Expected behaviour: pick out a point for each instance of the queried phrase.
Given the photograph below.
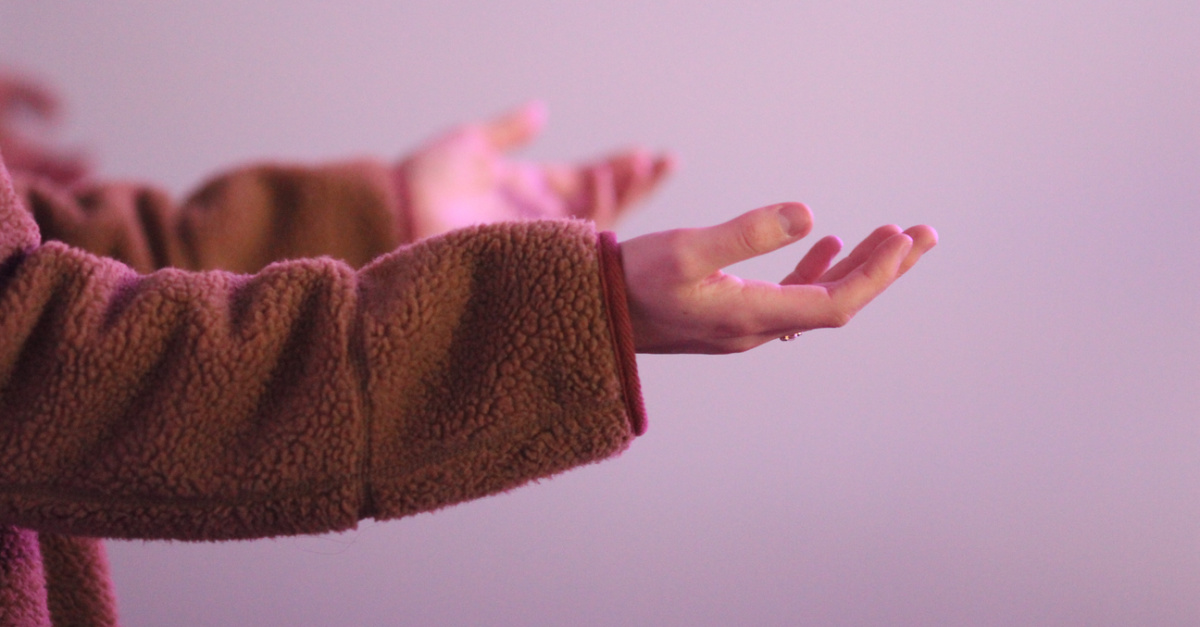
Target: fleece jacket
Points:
(271, 356)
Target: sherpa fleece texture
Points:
(142, 400)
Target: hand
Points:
(21, 97)
(465, 177)
(681, 302)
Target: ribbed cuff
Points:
(612, 275)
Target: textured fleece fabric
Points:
(161, 377)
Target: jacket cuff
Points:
(612, 276)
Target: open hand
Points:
(681, 302)
(24, 98)
(466, 177)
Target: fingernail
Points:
(794, 218)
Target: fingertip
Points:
(896, 248)
(536, 112)
(796, 218)
(518, 126)
(815, 262)
(666, 164)
(832, 243)
(924, 236)
(756, 232)
(932, 236)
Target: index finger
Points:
(517, 127)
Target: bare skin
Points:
(679, 299)
(466, 177)
(681, 302)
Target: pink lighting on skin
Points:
(1006, 437)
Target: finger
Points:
(781, 309)
(605, 190)
(864, 283)
(582, 192)
(524, 188)
(517, 127)
(602, 201)
(777, 310)
(815, 262)
(637, 173)
(17, 92)
(924, 238)
(751, 234)
(860, 254)
(632, 170)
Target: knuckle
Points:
(687, 260)
(837, 315)
(736, 329)
(758, 236)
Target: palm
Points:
(466, 177)
(681, 301)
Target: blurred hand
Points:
(466, 177)
(681, 302)
(24, 98)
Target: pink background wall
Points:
(1009, 437)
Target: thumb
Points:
(17, 92)
(749, 235)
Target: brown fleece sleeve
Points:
(239, 221)
(22, 579)
(210, 405)
(78, 588)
